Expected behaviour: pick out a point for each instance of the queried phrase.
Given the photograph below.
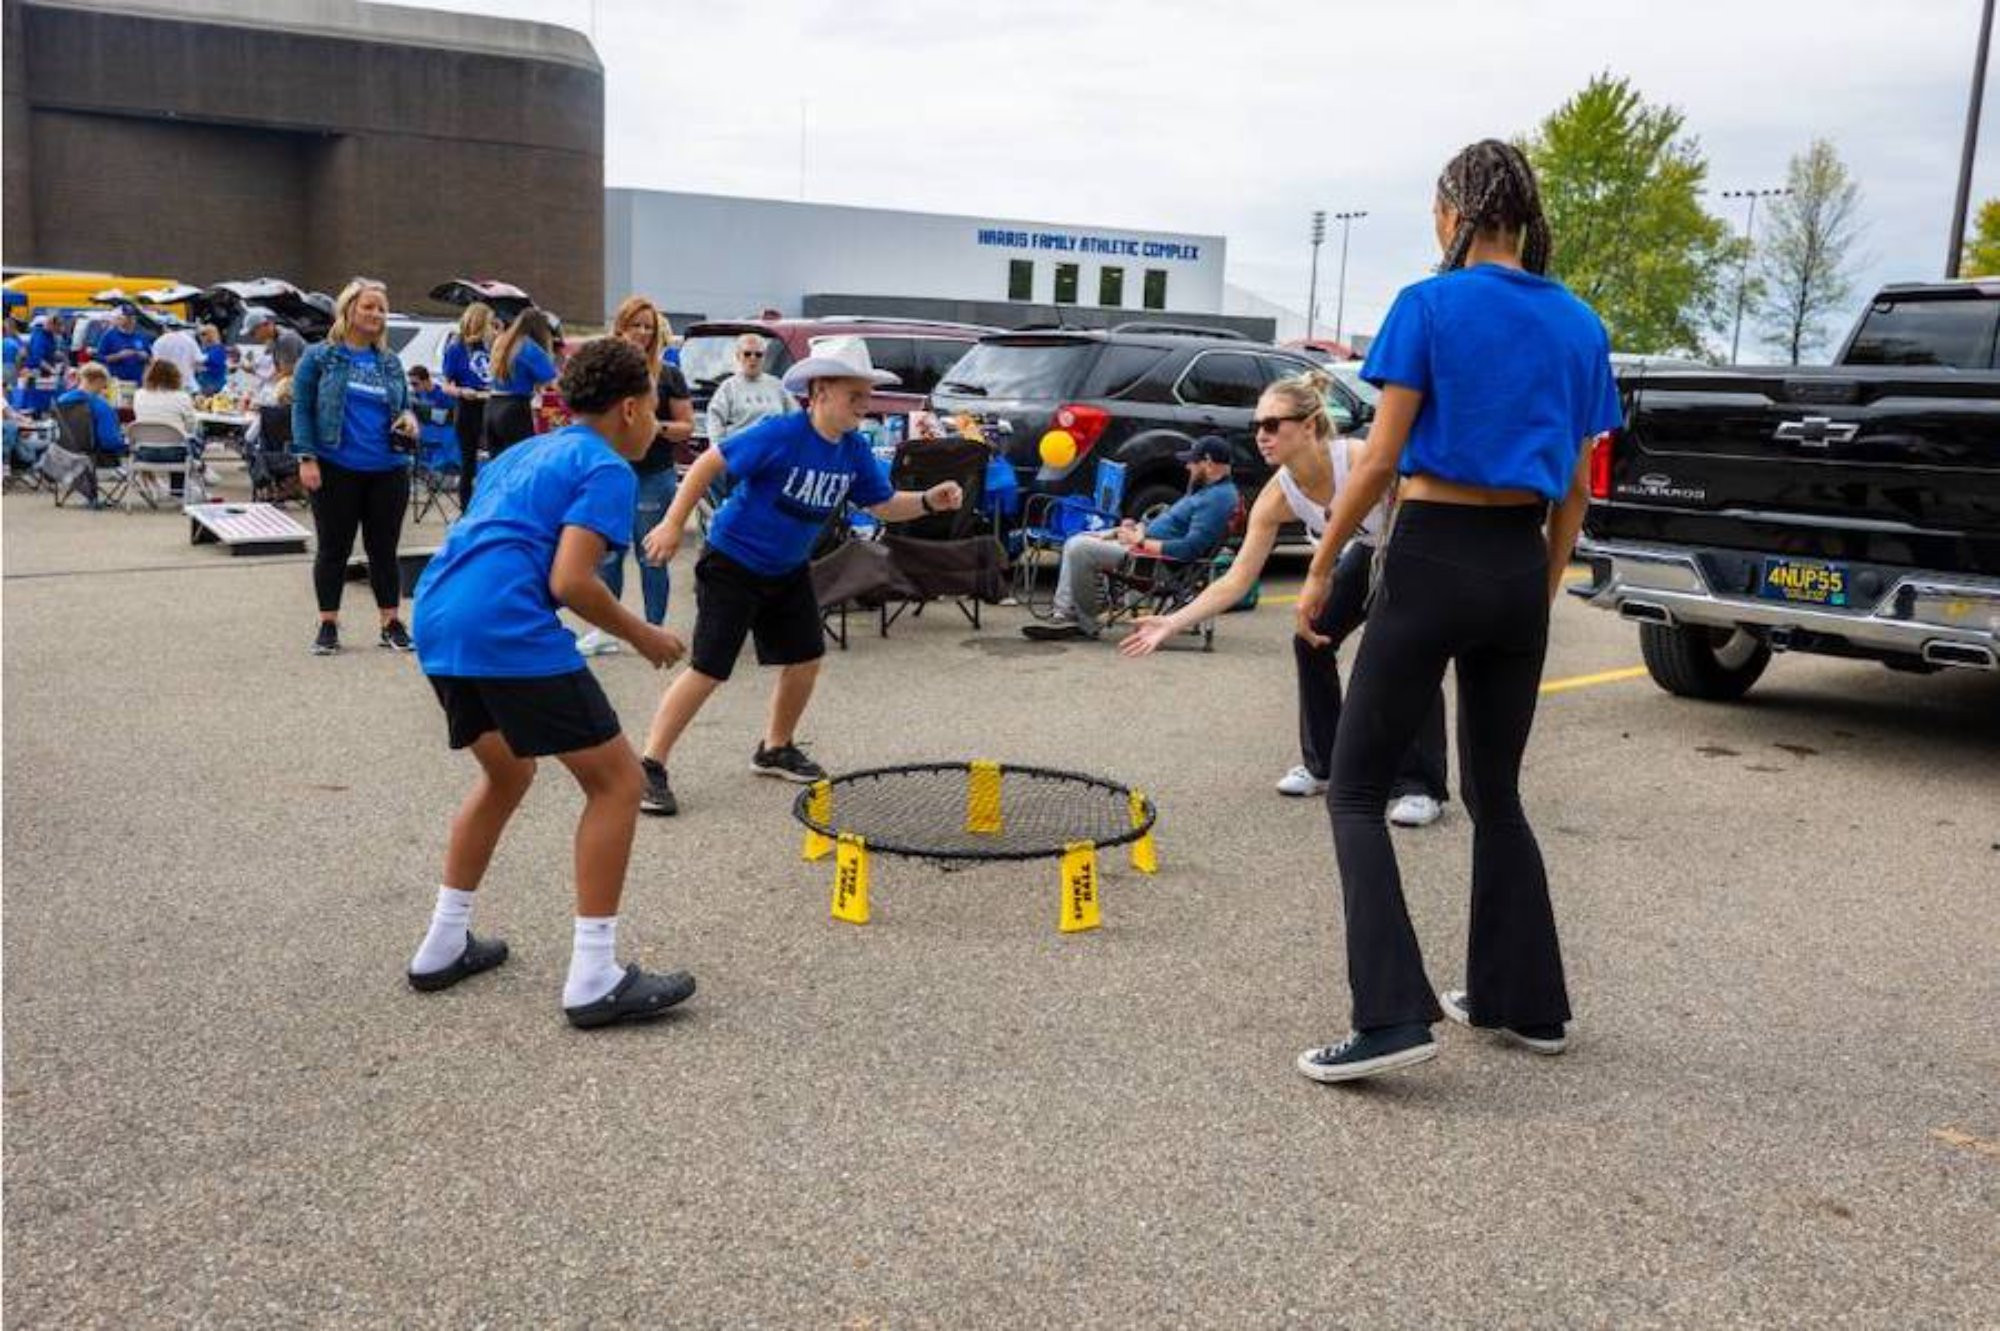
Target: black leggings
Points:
(1468, 587)
(1422, 771)
(373, 502)
(470, 422)
(510, 418)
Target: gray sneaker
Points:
(658, 797)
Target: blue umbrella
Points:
(15, 297)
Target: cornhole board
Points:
(410, 566)
(246, 529)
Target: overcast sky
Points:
(1238, 117)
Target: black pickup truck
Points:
(1846, 510)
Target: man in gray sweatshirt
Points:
(747, 396)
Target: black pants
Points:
(510, 418)
(1467, 587)
(372, 502)
(1422, 771)
(470, 423)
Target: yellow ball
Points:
(1058, 448)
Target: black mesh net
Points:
(929, 810)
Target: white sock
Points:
(445, 943)
(593, 961)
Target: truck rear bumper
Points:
(1943, 619)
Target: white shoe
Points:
(597, 643)
(1300, 782)
(1415, 811)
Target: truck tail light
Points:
(1600, 465)
(1084, 424)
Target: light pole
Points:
(1340, 303)
(1964, 200)
(1312, 284)
(1749, 242)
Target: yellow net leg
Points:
(1079, 880)
(819, 808)
(982, 799)
(1145, 855)
(850, 880)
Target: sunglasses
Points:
(1270, 424)
(751, 355)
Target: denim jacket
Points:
(319, 395)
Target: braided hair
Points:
(1492, 188)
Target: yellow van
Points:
(78, 291)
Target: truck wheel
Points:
(1151, 501)
(1716, 665)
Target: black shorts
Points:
(781, 614)
(539, 716)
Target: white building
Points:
(725, 257)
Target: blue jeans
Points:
(656, 492)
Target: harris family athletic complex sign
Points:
(1080, 243)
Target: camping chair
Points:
(153, 481)
(1047, 523)
(951, 555)
(1149, 585)
(274, 472)
(434, 475)
(74, 465)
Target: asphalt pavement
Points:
(224, 1107)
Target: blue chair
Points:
(1048, 521)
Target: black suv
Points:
(1137, 394)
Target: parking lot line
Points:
(1585, 681)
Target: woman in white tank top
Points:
(1295, 434)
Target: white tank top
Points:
(1313, 516)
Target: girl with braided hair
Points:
(1493, 377)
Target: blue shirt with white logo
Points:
(1515, 373)
(365, 419)
(483, 606)
(467, 367)
(790, 480)
(129, 368)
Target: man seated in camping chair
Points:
(1191, 530)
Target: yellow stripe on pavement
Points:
(1586, 681)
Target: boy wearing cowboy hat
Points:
(790, 476)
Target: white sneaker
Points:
(1300, 782)
(597, 643)
(1415, 811)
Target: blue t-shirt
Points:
(103, 416)
(467, 367)
(530, 368)
(365, 418)
(789, 481)
(483, 606)
(1515, 373)
(131, 368)
(214, 372)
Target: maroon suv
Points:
(916, 351)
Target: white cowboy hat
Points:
(836, 358)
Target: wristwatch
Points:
(924, 498)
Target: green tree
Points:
(1802, 261)
(1622, 190)
(1982, 248)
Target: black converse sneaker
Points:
(1365, 1053)
(1550, 1039)
(397, 638)
(327, 642)
(658, 797)
(787, 763)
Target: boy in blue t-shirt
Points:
(790, 476)
(514, 688)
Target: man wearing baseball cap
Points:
(791, 475)
(287, 348)
(1191, 529)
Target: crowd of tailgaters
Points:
(1446, 530)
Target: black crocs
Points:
(481, 954)
(640, 996)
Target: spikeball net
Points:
(954, 814)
